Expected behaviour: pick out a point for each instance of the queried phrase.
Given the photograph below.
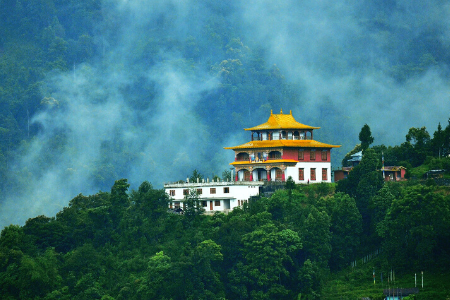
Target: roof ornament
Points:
(271, 112)
(281, 112)
(290, 112)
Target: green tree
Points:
(415, 228)
(119, 199)
(365, 136)
(193, 207)
(196, 176)
(310, 278)
(156, 284)
(316, 236)
(268, 256)
(346, 228)
(38, 275)
(362, 183)
(226, 175)
(380, 203)
(419, 139)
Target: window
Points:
(278, 174)
(313, 154)
(172, 192)
(226, 190)
(176, 204)
(199, 191)
(324, 154)
(242, 156)
(275, 155)
(212, 190)
(186, 192)
(204, 203)
(217, 203)
(301, 154)
(301, 174)
(324, 174)
(313, 174)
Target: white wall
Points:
(293, 171)
(237, 192)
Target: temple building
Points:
(280, 148)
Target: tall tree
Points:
(346, 228)
(365, 136)
(268, 254)
(419, 139)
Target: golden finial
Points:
(271, 112)
(281, 112)
(290, 112)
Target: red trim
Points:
(290, 154)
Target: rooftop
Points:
(281, 121)
(283, 143)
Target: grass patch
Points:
(357, 283)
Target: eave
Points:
(283, 143)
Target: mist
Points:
(173, 82)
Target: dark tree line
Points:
(127, 244)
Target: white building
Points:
(214, 196)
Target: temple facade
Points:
(280, 148)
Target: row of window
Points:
(301, 174)
(312, 154)
(216, 203)
(226, 190)
(176, 204)
(282, 135)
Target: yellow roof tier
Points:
(281, 121)
(270, 161)
(283, 143)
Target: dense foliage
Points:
(128, 245)
(125, 244)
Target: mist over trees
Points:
(95, 91)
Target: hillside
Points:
(92, 91)
(301, 241)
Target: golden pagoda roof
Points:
(281, 121)
(283, 143)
